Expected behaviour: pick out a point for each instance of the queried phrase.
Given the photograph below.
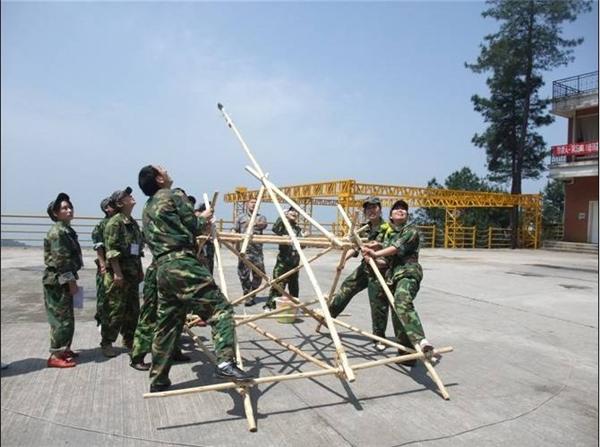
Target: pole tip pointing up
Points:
(220, 106)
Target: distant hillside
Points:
(11, 243)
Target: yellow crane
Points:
(350, 194)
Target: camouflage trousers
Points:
(184, 283)
(100, 296)
(144, 331)
(121, 309)
(359, 280)
(407, 324)
(291, 281)
(249, 279)
(59, 309)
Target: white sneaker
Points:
(425, 346)
(379, 346)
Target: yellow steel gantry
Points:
(350, 194)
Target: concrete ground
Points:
(524, 372)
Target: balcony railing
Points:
(568, 153)
(576, 85)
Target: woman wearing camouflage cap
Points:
(62, 257)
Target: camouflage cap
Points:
(106, 202)
(54, 206)
(371, 200)
(119, 194)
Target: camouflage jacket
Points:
(62, 255)
(98, 234)
(123, 241)
(405, 263)
(241, 225)
(169, 223)
(287, 253)
(376, 233)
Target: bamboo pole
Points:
(271, 313)
(270, 281)
(291, 347)
(270, 186)
(250, 230)
(321, 299)
(313, 242)
(281, 378)
(434, 376)
(242, 391)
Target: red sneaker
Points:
(55, 362)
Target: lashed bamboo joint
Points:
(315, 309)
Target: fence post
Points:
(433, 237)
(489, 237)
(474, 234)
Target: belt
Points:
(174, 254)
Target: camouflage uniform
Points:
(287, 259)
(62, 257)
(144, 331)
(123, 242)
(404, 278)
(254, 253)
(364, 278)
(98, 240)
(170, 229)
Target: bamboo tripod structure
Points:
(316, 309)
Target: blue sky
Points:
(376, 92)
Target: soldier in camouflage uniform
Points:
(108, 209)
(251, 280)
(363, 277)
(401, 248)
(206, 255)
(123, 243)
(170, 229)
(144, 331)
(287, 259)
(62, 257)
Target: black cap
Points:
(54, 206)
(399, 204)
(371, 200)
(120, 193)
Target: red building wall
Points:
(577, 198)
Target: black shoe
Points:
(231, 371)
(249, 303)
(178, 356)
(268, 307)
(140, 366)
(159, 387)
(409, 363)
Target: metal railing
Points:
(26, 229)
(575, 85)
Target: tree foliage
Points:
(464, 180)
(528, 43)
(553, 202)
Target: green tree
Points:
(528, 43)
(553, 202)
(464, 180)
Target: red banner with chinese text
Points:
(575, 149)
